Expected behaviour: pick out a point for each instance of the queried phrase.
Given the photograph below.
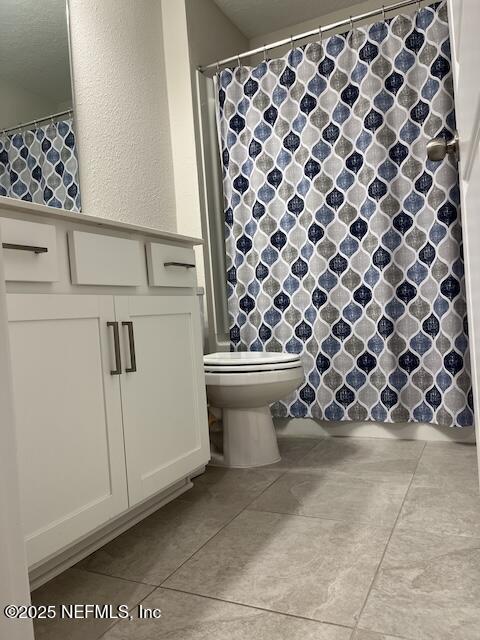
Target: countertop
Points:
(12, 206)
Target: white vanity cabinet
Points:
(68, 417)
(108, 380)
(164, 410)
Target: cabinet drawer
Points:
(104, 260)
(170, 266)
(30, 251)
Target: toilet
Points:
(243, 385)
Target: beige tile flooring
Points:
(345, 539)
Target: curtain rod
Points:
(308, 34)
(37, 121)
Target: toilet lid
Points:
(274, 366)
(239, 359)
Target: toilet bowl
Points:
(243, 385)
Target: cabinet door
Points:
(69, 422)
(164, 402)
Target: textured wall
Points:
(126, 170)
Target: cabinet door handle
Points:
(24, 247)
(187, 265)
(131, 341)
(116, 341)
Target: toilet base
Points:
(249, 438)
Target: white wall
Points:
(19, 105)
(197, 32)
(323, 19)
(211, 35)
(122, 115)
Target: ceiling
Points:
(255, 17)
(34, 47)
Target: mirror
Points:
(38, 160)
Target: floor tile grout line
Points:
(115, 577)
(217, 532)
(156, 586)
(162, 584)
(135, 606)
(388, 541)
(390, 635)
(282, 473)
(339, 520)
(251, 606)
(245, 508)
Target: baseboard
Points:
(308, 427)
(53, 566)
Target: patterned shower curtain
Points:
(40, 165)
(343, 241)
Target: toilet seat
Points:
(246, 368)
(240, 359)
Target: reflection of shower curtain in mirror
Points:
(343, 241)
(40, 165)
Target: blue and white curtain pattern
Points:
(40, 165)
(343, 241)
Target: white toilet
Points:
(243, 384)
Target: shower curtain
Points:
(40, 165)
(343, 241)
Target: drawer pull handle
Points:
(131, 341)
(24, 247)
(187, 265)
(116, 342)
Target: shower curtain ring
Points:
(418, 6)
(265, 53)
(218, 67)
(383, 13)
(291, 42)
(351, 24)
(320, 34)
(238, 60)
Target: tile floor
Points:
(345, 539)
